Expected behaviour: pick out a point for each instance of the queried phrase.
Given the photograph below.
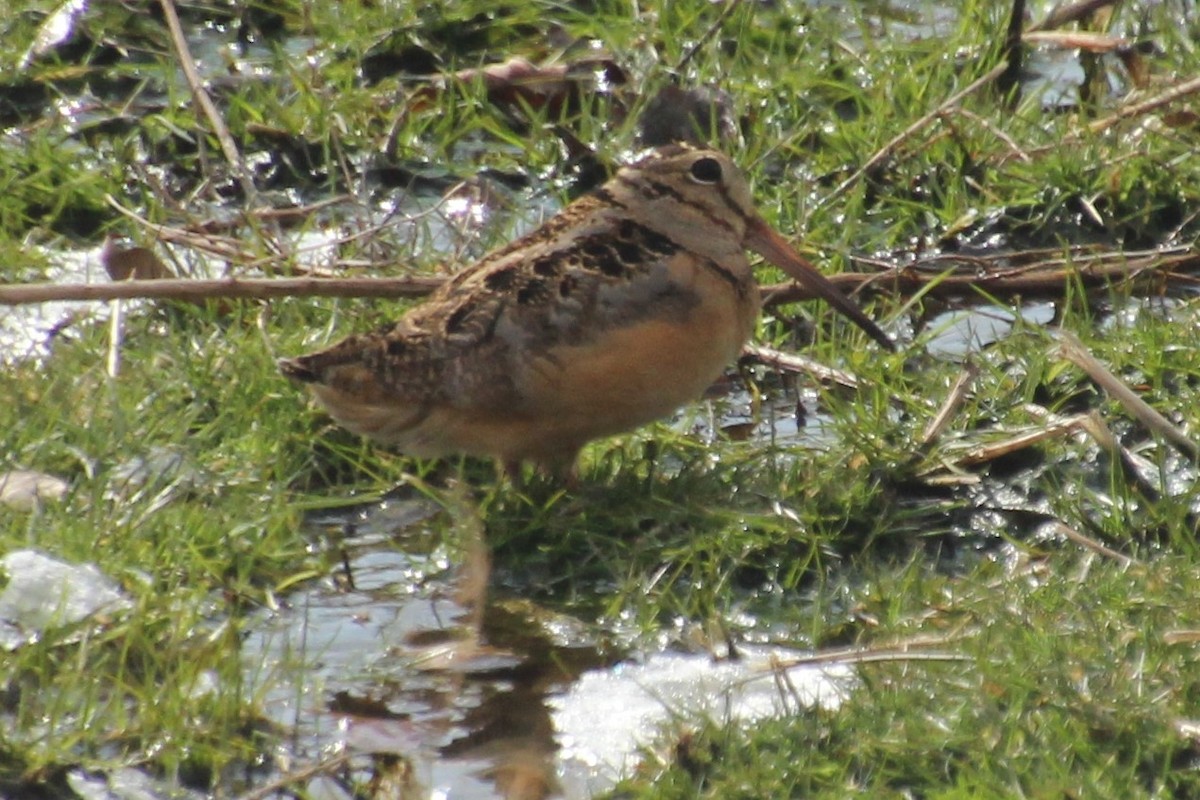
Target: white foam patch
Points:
(607, 716)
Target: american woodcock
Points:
(620, 309)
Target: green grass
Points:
(1071, 685)
(1068, 688)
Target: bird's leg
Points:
(512, 471)
(562, 467)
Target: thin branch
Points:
(1176, 92)
(1014, 52)
(794, 362)
(1074, 351)
(1150, 104)
(188, 64)
(1135, 469)
(1070, 12)
(329, 766)
(954, 400)
(1049, 278)
(917, 649)
(986, 453)
(993, 275)
(236, 288)
(730, 7)
(1095, 546)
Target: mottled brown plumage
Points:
(614, 313)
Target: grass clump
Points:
(194, 525)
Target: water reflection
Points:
(541, 708)
(957, 333)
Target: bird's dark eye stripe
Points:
(706, 170)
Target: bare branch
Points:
(228, 147)
(199, 290)
(1074, 351)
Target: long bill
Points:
(762, 239)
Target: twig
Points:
(1074, 351)
(730, 7)
(228, 146)
(886, 151)
(240, 288)
(876, 657)
(987, 125)
(225, 247)
(326, 767)
(982, 454)
(793, 362)
(1014, 52)
(1048, 278)
(1137, 109)
(912, 650)
(1133, 467)
(1070, 12)
(1167, 97)
(1091, 544)
(954, 400)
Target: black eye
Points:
(706, 170)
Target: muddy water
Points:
(385, 664)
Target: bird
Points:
(615, 312)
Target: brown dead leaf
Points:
(1183, 118)
(738, 431)
(1135, 65)
(143, 264)
(1078, 40)
(132, 263)
(519, 82)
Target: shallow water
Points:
(393, 665)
